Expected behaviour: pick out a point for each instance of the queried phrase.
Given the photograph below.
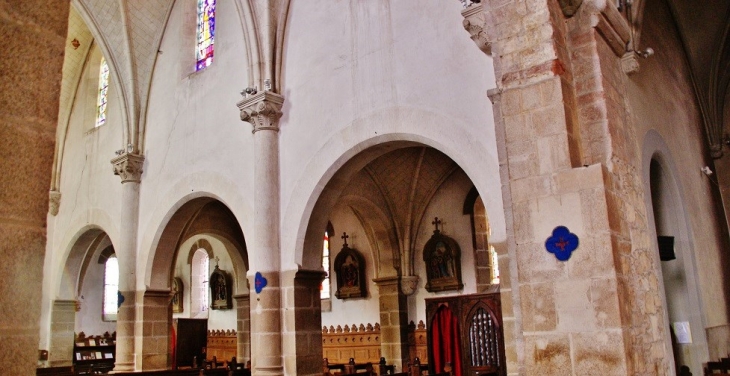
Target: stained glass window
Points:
(111, 289)
(205, 34)
(103, 91)
(324, 288)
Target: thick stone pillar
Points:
(263, 111)
(153, 336)
(63, 323)
(243, 327)
(562, 154)
(393, 321)
(302, 322)
(30, 81)
(129, 169)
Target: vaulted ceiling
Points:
(704, 27)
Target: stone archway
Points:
(202, 216)
(388, 189)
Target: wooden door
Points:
(483, 344)
(191, 341)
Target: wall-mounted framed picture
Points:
(177, 295)
(350, 270)
(443, 262)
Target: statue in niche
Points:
(443, 262)
(220, 290)
(177, 295)
(350, 269)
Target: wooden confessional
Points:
(466, 331)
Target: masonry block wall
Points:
(571, 159)
(31, 75)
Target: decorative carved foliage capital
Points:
(128, 167)
(262, 110)
(569, 7)
(54, 202)
(474, 23)
(630, 62)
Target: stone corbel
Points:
(54, 202)
(262, 110)
(569, 7)
(409, 284)
(129, 167)
(630, 62)
(474, 23)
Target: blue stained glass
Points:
(205, 34)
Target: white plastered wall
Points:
(195, 145)
(357, 74)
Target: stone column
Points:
(63, 323)
(243, 327)
(129, 169)
(29, 92)
(263, 111)
(302, 322)
(153, 336)
(393, 321)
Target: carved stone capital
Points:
(474, 23)
(54, 202)
(129, 167)
(630, 62)
(262, 110)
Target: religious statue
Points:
(220, 290)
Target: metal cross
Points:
(344, 237)
(436, 222)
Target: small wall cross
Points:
(436, 222)
(344, 237)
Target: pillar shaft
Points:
(393, 321)
(243, 327)
(263, 111)
(129, 168)
(63, 322)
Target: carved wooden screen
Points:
(480, 327)
(484, 339)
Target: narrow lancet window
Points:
(103, 91)
(205, 34)
(111, 289)
(324, 290)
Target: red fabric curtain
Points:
(445, 341)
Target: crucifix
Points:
(344, 238)
(436, 222)
(216, 261)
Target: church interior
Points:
(432, 187)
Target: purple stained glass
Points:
(205, 34)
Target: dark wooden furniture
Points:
(93, 355)
(55, 371)
(480, 332)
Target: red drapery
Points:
(445, 341)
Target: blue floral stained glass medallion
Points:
(205, 34)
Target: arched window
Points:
(205, 34)
(103, 90)
(111, 289)
(324, 288)
(199, 283)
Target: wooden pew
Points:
(55, 371)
